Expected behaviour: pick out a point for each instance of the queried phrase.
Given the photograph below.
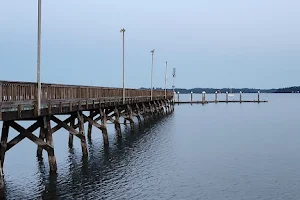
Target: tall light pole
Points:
(123, 31)
(152, 74)
(166, 80)
(174, 75)
(39, 58)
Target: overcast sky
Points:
(216, 43)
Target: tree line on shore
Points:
(294, 89)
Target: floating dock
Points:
(206, 102)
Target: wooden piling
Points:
(258, 94)
(4, 136)
(49, 141)
(144, 111)
(166, 102)
(156, 107)
(103, 126)
(138, 114)
(191, 96)
(42, 136)
(166, 106)
(130, 117)
(178, 96)
(151, 108)
(117, 122)
(162, 107)
(90, 126)
(71, 136)
(81, 132)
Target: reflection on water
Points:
(215, 151)
(88, 177)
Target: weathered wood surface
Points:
(18, 99)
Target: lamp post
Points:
(39, 86)
(166, 80)
(123, 31)
(152, 74)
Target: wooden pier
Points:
(18, 102)
(204, 101)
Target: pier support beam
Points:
(48, 145)
(4, 136)
(157, 110)
(81, 131)
(42, 136)
(145, 112)
(46, 134)
(138, 114)
(151, 107)
(130, 116)
(103, 126)
(117, 123)
(163, 107)
(90, 126)
(166, 106)
(71, 136)
(170, 106)
(49, 141)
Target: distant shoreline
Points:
(294, 89)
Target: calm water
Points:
(216, 151)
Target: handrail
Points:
(12, 91)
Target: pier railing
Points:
(22, 91)
(23, 95)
